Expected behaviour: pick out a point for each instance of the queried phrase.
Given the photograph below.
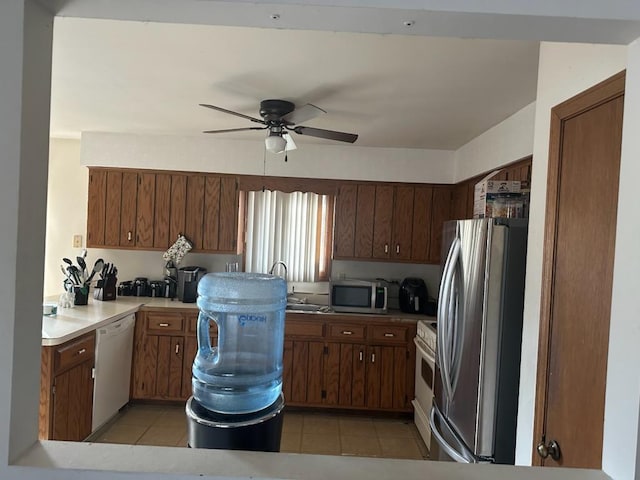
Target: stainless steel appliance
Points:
(479, 335)
(425, 341)
(357, 296)
(188, 278)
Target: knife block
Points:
(106, 288)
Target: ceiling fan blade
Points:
(302, 114)
(328, 134)
(291, 145)
(224, 110)
(229, 130)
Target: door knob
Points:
(551, 450)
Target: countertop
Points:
(70, 323)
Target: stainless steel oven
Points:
(425, 341)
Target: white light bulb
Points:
(275, 143)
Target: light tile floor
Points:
(302, 432)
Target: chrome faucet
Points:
(275, 264)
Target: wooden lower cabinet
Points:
(339, 361)
(66, 390)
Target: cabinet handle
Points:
(373, 358)
(386, 248)
(163, 324)
(361, 355)
(129, 236)
(81, 351)
(398, 249)
(177, 348)
(389, 335)
(347, 332)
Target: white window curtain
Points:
(285, 227)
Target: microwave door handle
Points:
(459, 457)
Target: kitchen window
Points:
(294, 228)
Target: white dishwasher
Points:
(114, 349)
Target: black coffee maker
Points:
(188, 278)
(413, 295)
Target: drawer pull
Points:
(361, 355)
(177, 348)
(398, 249)
(389, 335)
(347, 332)
(373, 358)
(129, 236)
(81, 351)
(163, 324)
(386, 248)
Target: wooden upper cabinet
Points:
(345, 221)
(441, 212)
(382, 223)
(364, 221)
(148, 210)
(421, 232)
(403, 205)
(96, 208)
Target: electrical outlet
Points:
(77, 241)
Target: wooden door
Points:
(373, 375)
(441, 208)
(128, 209)
(211, 213)
(190, 351)
(73, 403)
(421, 232)
(96, 207)
(113, 209)
(228, 221)
(382, 226)
(364, 221)
(169, 367)
(162, 209)
(402, 223)
(145, 203)
(287, 369)
(459, 203)
(586, 133)
(345, 223)
(194, 218)
(178, 209)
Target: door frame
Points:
(597, 95)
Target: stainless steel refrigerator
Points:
(480, 305)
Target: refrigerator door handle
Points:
(457, 455)
(450, 324)
(444, 320)
(457, 306)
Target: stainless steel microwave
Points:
(357, 296)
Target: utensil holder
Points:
(81, 295)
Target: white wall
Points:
(506, 142)
(208, 154)
(564, 70)
(621, 421)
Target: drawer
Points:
(74, 352)
(160, 323)
(343, 331)
(293, 328)
(192, 325)
(388, 333)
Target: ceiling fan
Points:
(280, 117)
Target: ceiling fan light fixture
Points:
(274, 143)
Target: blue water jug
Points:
(243, 373)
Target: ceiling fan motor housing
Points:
(273, 110)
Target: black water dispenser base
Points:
(258, 431)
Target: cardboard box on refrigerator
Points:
(487, 190)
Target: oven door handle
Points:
(424, 350)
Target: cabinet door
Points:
(402, 223)
(96, 208)
(228, 229)
(211, 213)
(195, 210)
(162, 210)
(145, 209)
(169, 367)
(373, 375)
(365, 210)
(73, 403)
(344, 374)
(382, 226)
(114, 209)
(287, 369)
(421, 234)
(345, 222)
(459, 209)
(307, 378)
(178, 210)
(128, 209)
(440, 213)
(190, 351)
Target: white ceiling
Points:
(393, 90)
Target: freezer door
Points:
(460, 395)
